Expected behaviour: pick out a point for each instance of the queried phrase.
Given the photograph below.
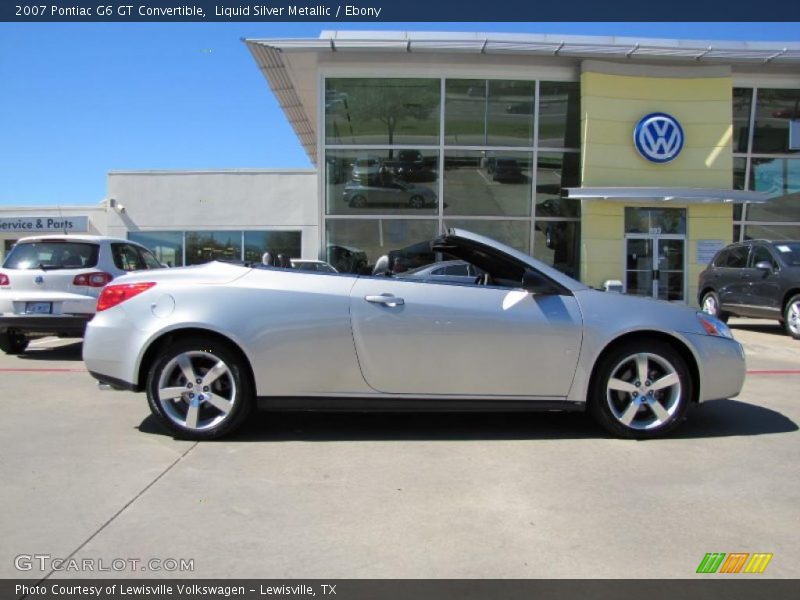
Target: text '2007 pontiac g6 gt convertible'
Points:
(209, 343)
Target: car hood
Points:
(627, 312)
(212, 273)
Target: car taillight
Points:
(4, 279)
(98, 279)
(117, 294)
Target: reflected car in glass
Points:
(366, 169)
(756, 278)
(207, 344)
(455, 271)
(395, 193)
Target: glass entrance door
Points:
(654, 266)
(655, 252)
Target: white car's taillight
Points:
(97, 279)
(4, 281)
(117, 294)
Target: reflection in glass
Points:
(742, 97)
(737, 229)
(381, 181)
(167, 246)
(739, 170)
(557, 170)
(256, 243)
(205, 246)
(512, 233)
(559, 115)
(670, 269)
(487, 183)
(772, 232)
(655, 220)
(509, 113)
(557, 243)
(779, 178)
(639, 267)
(465, 112)
(382, 111)
(774, 109)
(354, 245)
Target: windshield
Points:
(790, 252)
(52, 254)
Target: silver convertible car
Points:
(209, 343)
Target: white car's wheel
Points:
(642, 390)
(791, 317)
(199, 389)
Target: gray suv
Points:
(756, 278)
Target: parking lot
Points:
(90, 475)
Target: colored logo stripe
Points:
(735, 561)
(758, 562)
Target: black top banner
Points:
(394, 11)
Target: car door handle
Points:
(386, 299)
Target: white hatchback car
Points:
(49, 284)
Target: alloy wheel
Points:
(196, 390)
(793, 318)
(644, 391)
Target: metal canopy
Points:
(665, 194)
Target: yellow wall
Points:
(612, 103)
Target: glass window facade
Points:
(382, 111)
(419, 155)
(764, 162)
(179, 248)
(167, 246)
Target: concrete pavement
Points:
(90, 475)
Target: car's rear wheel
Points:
(710, 305)
(199, 389)
(358, 202)
(791, 317)
(13, 342)
(642, 390)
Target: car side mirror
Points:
(536, 283)
(764, 265)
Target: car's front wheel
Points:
(199, 389)
(13, 342)
(641, 390)
(710, 305)
(416, 202)
(791, 317)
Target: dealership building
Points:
(608, 158)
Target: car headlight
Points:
(713, 326)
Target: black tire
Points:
(644, 423)
(358, 202)
(791, 317)
(416, 202)
(13, 342)
(233, 388)
(710, 305)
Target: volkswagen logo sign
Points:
(658, 137)
(39, 279)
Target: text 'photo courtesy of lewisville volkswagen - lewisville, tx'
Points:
(387, 309)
